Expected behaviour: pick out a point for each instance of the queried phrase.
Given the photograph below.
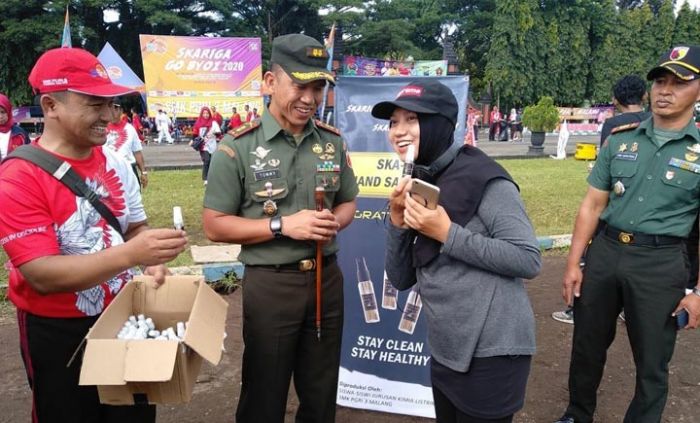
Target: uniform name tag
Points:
(261, 175)
(685, 165)
(626, 156)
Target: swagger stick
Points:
(319, 194)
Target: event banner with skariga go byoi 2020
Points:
(183, 74)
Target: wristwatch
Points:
(276, 226)
(696, 291)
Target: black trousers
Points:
(279, 332)
(446, 412)
(206, 159)
(47, 344)
(649, 283)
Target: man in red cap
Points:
(69, 260)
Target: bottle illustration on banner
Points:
(411, 312)
(389, 294)
(366, 288)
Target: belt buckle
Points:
(625, 237)
(307, 265)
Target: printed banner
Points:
(367, 66)
(385, 360)
(185, 73)
(591, 114)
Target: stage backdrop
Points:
(185, 73)
(385, 359)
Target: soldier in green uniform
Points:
(645, 189)
(261, 195)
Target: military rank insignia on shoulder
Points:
(327, 127)
(623, 128)
(244, 129)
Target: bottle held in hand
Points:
(178, 222)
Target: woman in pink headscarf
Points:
(206, 128)
(11, 136)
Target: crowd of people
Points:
(468, 255)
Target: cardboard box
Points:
(157, 372)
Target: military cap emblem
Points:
(678, 53)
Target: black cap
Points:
(682, 61)
(303, 58)
(421, 96)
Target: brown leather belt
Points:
(641, 239)
(305, 265)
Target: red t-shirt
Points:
(235, 121)
(42, 217)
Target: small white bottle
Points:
(178, 222)
(411, 312)
(389, 294)
(366, 288)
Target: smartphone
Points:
(682, 318)
(426, 193)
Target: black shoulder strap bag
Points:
(63, 171)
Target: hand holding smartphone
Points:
(682, 318)
(425, 193)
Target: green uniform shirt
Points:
(660, 180)
(236, 185)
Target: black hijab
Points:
(461, 173)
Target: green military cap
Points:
(302, 58)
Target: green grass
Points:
(552, 191)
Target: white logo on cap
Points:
(410, 91)
(55, 81)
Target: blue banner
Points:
(385, 360)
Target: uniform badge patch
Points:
(260, 152)
(670, 174)
(228, 150)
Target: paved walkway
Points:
(181, 156)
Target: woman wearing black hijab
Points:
(468, 256)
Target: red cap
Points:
(73, 69)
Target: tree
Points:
(687, 30)
(507, 53)
(473, 22)
(27, 29)
(604, 32)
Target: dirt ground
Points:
(216, 393)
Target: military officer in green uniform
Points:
(645, 188)
(261, 195)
